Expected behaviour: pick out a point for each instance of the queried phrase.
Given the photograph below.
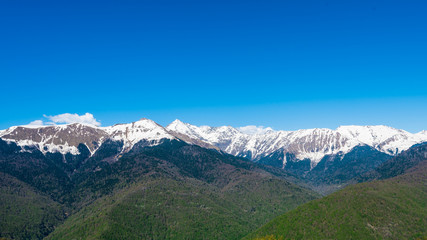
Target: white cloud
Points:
(36, 123)
(73, 118)
(252, 129)
(65, 118)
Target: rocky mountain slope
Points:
(311, 144)
(66, 138)
(318, 156)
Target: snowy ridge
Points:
(311, 144)
(132, 133)
(386, 139)
(218, 136)
(58, 138)
(66, 138)
(422, 134)
(251, 142)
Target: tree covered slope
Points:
(25, 212)
(173, 190)
(179, 191)
(394, 208)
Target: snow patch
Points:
(47, 147)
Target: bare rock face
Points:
(194, 141)
(63, 138)
(312, 144)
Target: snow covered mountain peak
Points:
(176, 121)
(179, 126)
(132, 133)
(384, 138)
(213, 135)
(376, 132)
(257, 142)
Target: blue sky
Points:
(283, 64)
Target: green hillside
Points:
(24, 212)
(164, 208)
(394, 208)
(173, 190)
(178, 191)
(397, 165)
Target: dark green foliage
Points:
(26, 213)
(34, 169)
(163, 208)
(8, 148)
(187, 191)
(337, 169)
(69, 162)
(108, 150)
(299, 167)
(274, 159)
(75, 161)
(397, 165)
(395, 208)
(293, 165)
(333, 171)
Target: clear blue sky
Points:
(284, 64)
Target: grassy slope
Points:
(26, 213)
(395, 208)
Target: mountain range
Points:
(306, 144)
(132, 181)
(143, 180)
(391, 205)
(320, 156)
(312, 144)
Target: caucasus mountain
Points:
(145, 181)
